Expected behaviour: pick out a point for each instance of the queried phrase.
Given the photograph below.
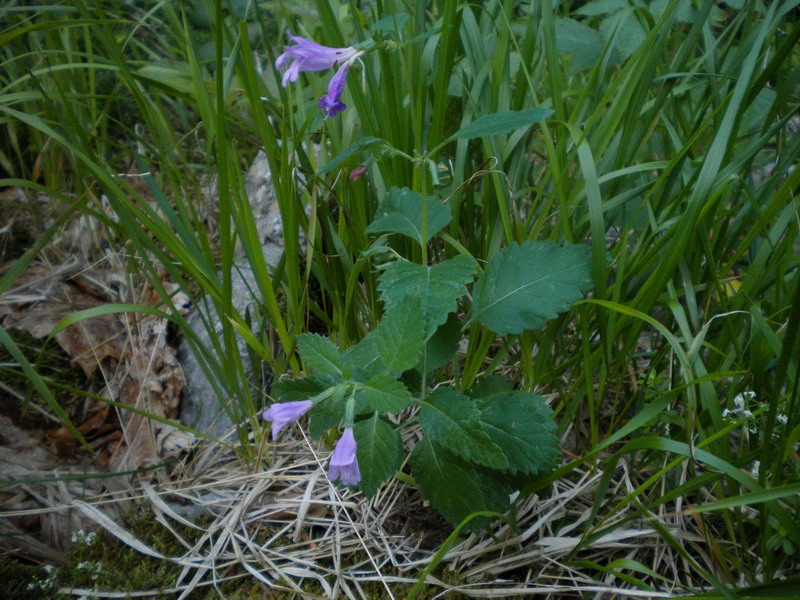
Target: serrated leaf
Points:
(603, 7)
(385, 394)
(442, 345)
(399, 338)
(521, 424)
(400, 211)
(684, 11)
(363, 144)
(583, 42)
(625, 30)
(501, 122)
(363, 359)
(302, 388)
(319, 354)
(325, 415)
(525, 284)
(438, 287)
(379, 453)
(454, 487)
(328, 412)
(393, 347)
(452, 420)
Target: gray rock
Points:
(200, 406)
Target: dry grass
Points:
(284, 522)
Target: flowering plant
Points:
(477, 442)
(478, 445)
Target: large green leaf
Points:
(393, 347)
(583, 42)
(521, 424)
(399, 336)
(319, 354)
(442, 345)
(363, 360)
(438, 287)
(525, 284)
(379, 453)
(400, 211)
(625, 31)
(385, 394)
(501, 122)
(452, 420)
(326, 414)
(602, 7)
(454, 487)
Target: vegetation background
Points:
(671, 153)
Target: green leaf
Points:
(363, 359)
(452, 420)
(442, 345)
(753, 118)
(525, 284)
(319, 354)
(625, 30)
(454, 487)
(684, 11)
(501, 122)
(521, 424)
(399, 338)
(490, 386)
(325, 415)
(603, 7)
(365, 143)
(379, 453)
(302, 388)
(438, 287)
(393, 347)
(400, 211)
(583, 42)
(385, 394)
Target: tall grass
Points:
(670, 154)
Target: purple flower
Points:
(330, 102)
(344, 465)
(311, 56)
(284, 413)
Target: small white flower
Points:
(755, 469)
(739, 399)
(783, 419)
(77, 536)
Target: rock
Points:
(200, 407)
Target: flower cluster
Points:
(344, 464)
(307, 55)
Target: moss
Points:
(24, 581)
